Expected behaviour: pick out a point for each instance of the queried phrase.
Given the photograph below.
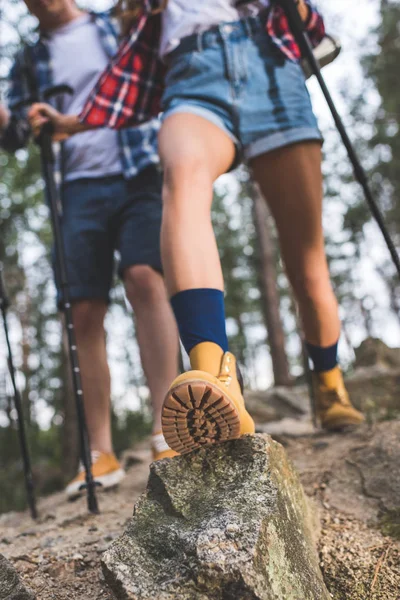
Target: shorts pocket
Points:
(180, 68)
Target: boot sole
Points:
(197, 414)
(342, 427)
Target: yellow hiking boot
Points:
(334, 409)
(206, 405)
(107, 472)
(160, 448)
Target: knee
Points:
(182, 176)
(88, 317)
(142, 284)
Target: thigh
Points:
(87, 238)
(291, 181)
(139, 222)
(193, 148)
(197, 84)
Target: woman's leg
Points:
(291, 181)
(202, 406)
(194, 153)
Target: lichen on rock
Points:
(11, 586)
(225, 523)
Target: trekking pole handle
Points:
(45, 96)
(296, 24)
(292, 12)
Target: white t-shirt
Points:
(77, 59)
(185, 17)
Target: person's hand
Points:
(4, 116)
(303, 9)
(39, 114)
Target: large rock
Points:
(373, 352)
(375, 391)
(11, 586)
(279, 403)
(225, 523)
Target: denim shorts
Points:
(234, 76)
(103, 215)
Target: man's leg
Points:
(89, 247)
(139, 225)
(88, 316)
(156, 332)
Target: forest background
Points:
(261, 314)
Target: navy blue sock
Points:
(200, 315)
(323, 359)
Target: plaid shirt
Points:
(130, 89)
(138, 145)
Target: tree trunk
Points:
(268, 285)
(70, 441)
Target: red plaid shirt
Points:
(130, 89)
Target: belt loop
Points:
(248, 27)
(199, 42)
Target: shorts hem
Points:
(84, 293)
(155, 265)
(206, 114)
(281, 139)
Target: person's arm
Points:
(14, 127)
(314, 22)
(63, 125)
(4, 117)
(304, 9)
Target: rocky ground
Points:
(59, 555)
(354, 480)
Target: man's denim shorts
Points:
(103, 215)
(235, 77)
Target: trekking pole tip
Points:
(93, 505)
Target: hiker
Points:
(111, 199)
(227, 77)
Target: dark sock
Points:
(200, 315)
(323, 359)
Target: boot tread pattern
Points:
(197, 414)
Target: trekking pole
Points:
(45, 144)
(47, 158)
(309, 380)
(298, 29)
(29, 485)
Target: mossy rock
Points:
(11, 586)
(226, 523)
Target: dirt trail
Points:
(59, 556)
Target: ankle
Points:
(157, 427)
(330, 379)
(207, 356)
(101, 449)
(324, 358)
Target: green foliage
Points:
(129, 429)
(25, 247)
